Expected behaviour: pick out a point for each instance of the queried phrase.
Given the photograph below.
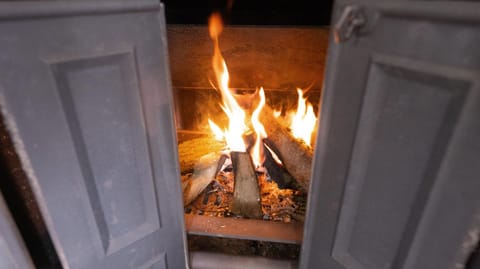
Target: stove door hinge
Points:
(351, 20)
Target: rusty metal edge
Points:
(249, 229)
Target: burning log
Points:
(246, 196)
(278, 173)
(192, 150)
(295, 155)
(204, 173)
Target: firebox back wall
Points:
(280, 59)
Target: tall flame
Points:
(236, 115)
(304, 120)
(257, 151)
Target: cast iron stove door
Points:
(397, 171)
(85, 93)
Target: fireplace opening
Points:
(247, 110)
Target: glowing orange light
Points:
(217, 131)
(236, 116)
(257, 151)
(303, 121)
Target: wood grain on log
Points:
(205, 171)
(191, 151)
(295, 155)
(246, 195)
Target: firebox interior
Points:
(279, 59)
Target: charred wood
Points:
(278, 173)
(295, 155)
(204, 173)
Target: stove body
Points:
(395, 174)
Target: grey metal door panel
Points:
(88, 101)
(13, 254)
(395, 183)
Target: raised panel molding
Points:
(83, 89)
(409, 113)
(157, 262)
(101, 99)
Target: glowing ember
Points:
(274, 155)
(303, 121)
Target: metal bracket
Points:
(351, 20)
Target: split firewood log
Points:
(191, 151)
(246, 194)
(295, 155)
(278, 173)
(204, 173)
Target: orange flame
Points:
(217, 131)
(257, 151)
(236, 116)
(233, 135)
(303, 121)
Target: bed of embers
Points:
(281, 205)
(202, 158)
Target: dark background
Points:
(250, 12)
